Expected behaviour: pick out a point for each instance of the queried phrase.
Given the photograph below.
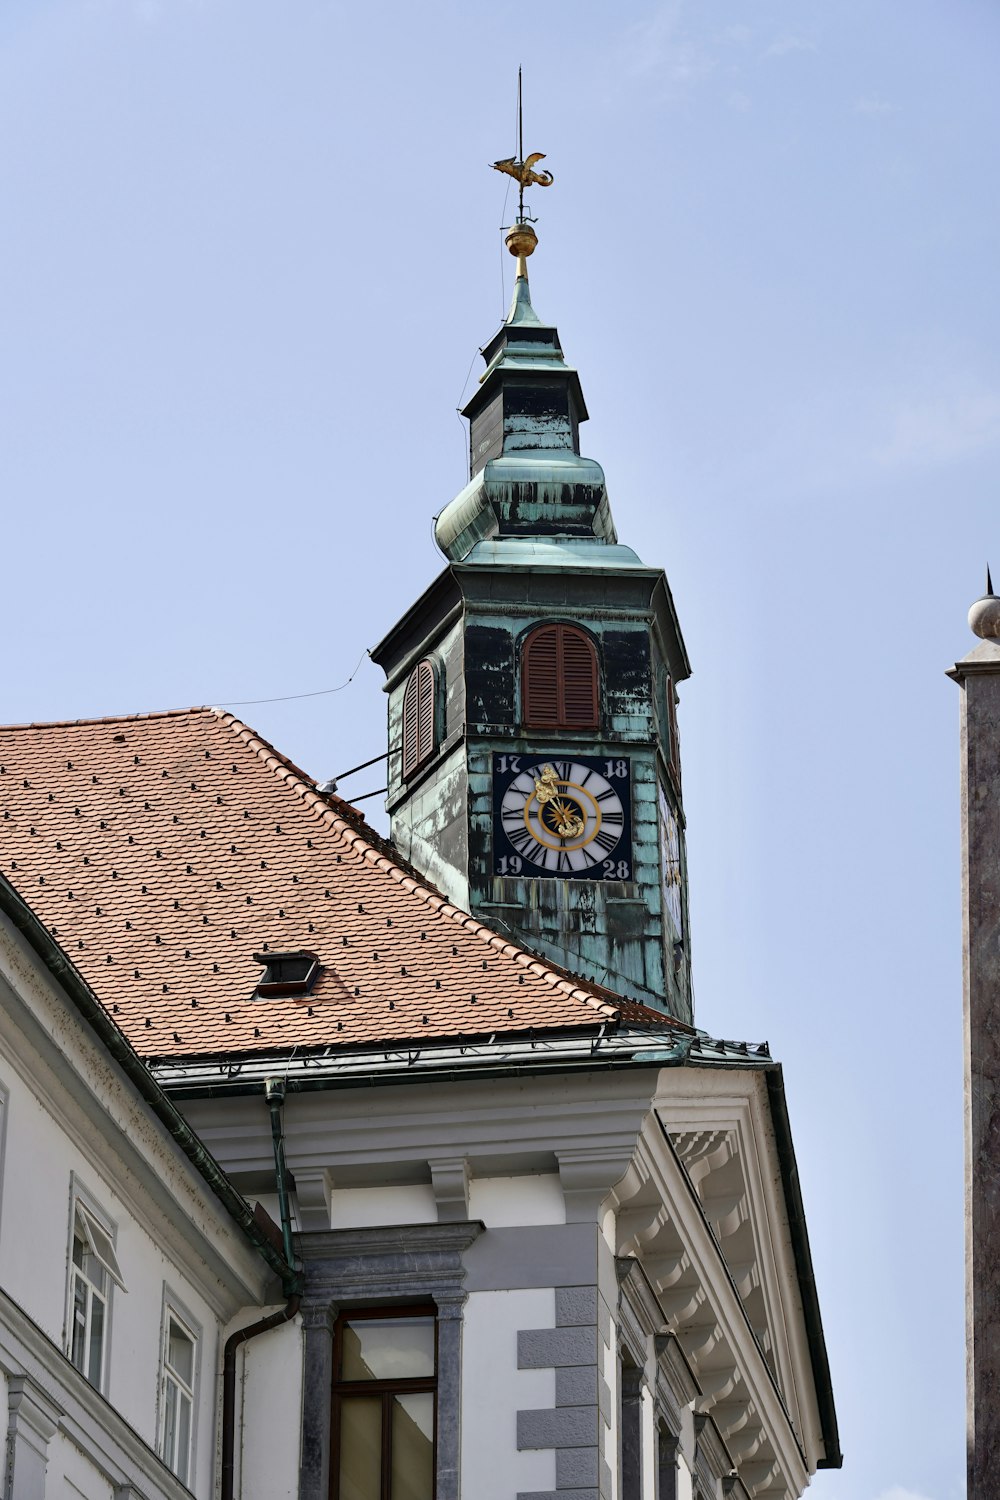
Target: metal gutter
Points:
(79, 992)
(214, 1077)
(804, 1269)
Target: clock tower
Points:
(534, 767)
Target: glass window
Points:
(94, 1267)
(176, 1396)
(385, 1387)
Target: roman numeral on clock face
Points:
(526, 845)
(605, 840)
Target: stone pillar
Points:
(978, 676)
(449, 1408)
(666, 1464)
(317, 1400)
(32, 1420)
(630, 1416)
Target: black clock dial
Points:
(567, 816)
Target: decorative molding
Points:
(676, 1387)
(359, 1266)
(313, 1189)
(712, 1459)
(725, 1137)
(450, 1182)
(664, 1227)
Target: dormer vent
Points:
(286, 973)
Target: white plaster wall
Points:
(503, 1202)
(364, 1208)
(34, 1225)
(494, 1390)
(70, 1474)
(685, 1484)
(41, 1159)
(270, 1395)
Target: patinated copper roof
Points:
(163, 850)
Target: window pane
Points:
(78, 1345)
(96, 1340)
(360, 1448)
(169, 1422)
(183, 1437)
(413, 1447)
(180, 1353)
(387, 1349)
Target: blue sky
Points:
(249, 252)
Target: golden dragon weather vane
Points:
(521, 167)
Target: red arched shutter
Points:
(559, 679)
(418, 717)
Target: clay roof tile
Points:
(166, 849)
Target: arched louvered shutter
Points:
(559, 679)
(418, 717)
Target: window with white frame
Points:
(177, 1394)
(93, 1270)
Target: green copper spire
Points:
(527, 477)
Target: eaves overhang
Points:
(527, 369)
(439, 602)
(833, 1458)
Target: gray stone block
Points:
(535, 1255)
(558, 1427)
(576, 1385)
(558, 1495)
(543, 1348)
(577, 1468)
(575, 1305)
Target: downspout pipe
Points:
(274, 1093)
(242, 1336)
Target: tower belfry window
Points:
(418, 717)
(559, 679)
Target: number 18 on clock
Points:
(568, 817)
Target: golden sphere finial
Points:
(520, 238)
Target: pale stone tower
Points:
(978, 675)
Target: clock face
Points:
(564, 816)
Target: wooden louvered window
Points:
(418, 717)
(559, 679)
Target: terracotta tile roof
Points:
(163, 850)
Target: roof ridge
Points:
(160, 713)
(286, 771)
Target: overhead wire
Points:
(290, 697)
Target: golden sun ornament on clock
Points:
(568, 816)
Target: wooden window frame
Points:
(563, 719)
(419, 718)
(386, 1389)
